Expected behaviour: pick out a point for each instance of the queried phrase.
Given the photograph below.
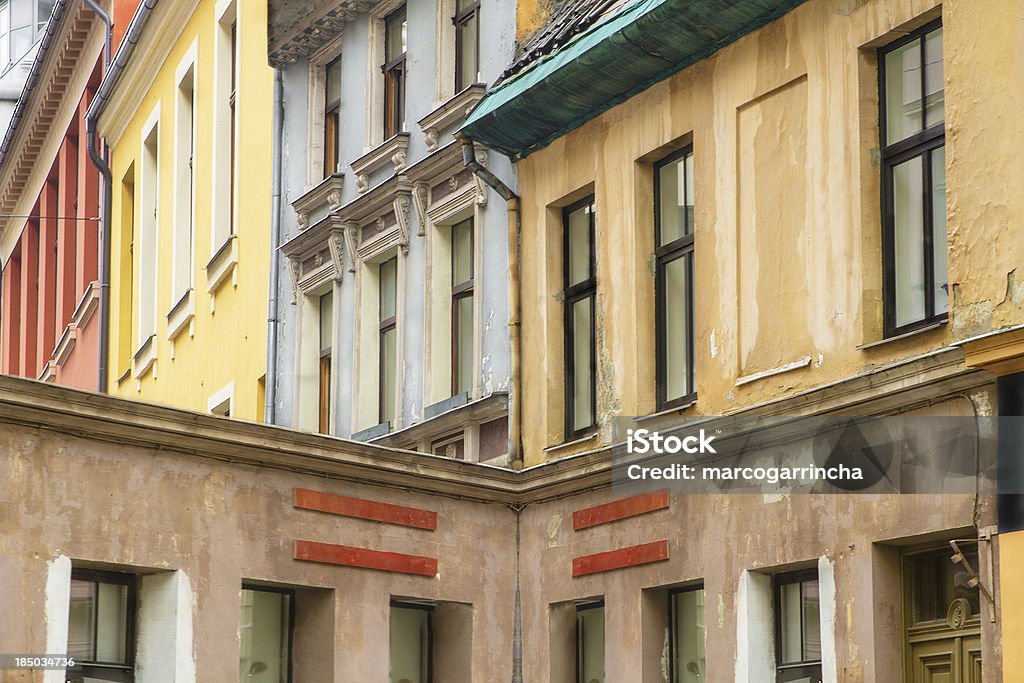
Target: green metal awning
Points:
(643, 43)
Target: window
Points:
(332, 120)
(265, 633)
(914, 180)
(148, 222)
(394, 73)
(590, 642)
(686, 615)
(580, 298)
(326, 343)
(467, 43)
(184, 181)
(462, 307)
(101, 626)
(797, 628)
(232, 96)
(388, 272)
(410, 643)
(673, 234)
(5, 34)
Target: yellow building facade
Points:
(188, 122)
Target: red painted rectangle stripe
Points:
(365, 509)
(619, 509)
(620, 559)
(349, 556)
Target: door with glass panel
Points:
(686, 630)
(942, 621)
(265, 631)
(590, 642)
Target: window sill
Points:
(571, 444)
(765, 374)
(906, 335)
(394, 149)
(180, 315)
(450, 113)
(326, 192)
(667, 411)
(144, 358)
(222, 264)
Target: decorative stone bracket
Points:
(369, 239)
(450, 113)
(393, 150)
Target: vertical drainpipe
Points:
(514, 409)
(270, 399)
(514, 228)
(104, 169)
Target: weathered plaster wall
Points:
(218, 524)
(96, 480)
(784, 125)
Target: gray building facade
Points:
(391, 309)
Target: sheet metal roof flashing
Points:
(629, 51)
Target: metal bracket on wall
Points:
(975, 581)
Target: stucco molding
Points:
(67, 69)
(127, 423)
(394, 150)
(158, 40)
(316, 257)
(298, 30)
(181, 315)
(222, 264)
(324, 196)
(450, 113)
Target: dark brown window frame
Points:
(673, 627)
(119, 579)
(461, 290)
(921, 144)
(781, 669)
(664, 255)
(384, 326)
(291, 619)
(394, 82)
(573, 294)
(461, 19)
(332, 124)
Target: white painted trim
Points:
(316, 93)
(788, 367)
(158, 40)
(225, 394)
(223, 8)
(827, 617)
(149, 243)
(57, 610)
(221, 227)
(755, 629)
(374, 76)
(164, 646)
(182, 174)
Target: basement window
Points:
(101, 626)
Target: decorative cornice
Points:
(192, 434)
(51, 104)
(450, 113)
(393, 150)
(326, 194)
(297, 29)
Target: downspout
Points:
(514, 230)
(104, 169)
(270, 399)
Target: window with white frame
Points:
(467, 43)
(225, 127)
(148, 233)
(324, 348)
(184, 181)
(797, 627)
(394, 68)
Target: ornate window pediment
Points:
(443, 187)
